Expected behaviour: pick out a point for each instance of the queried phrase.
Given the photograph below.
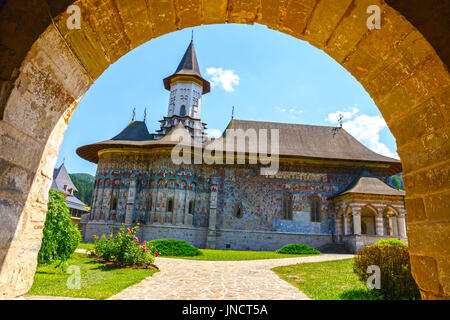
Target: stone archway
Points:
(368, 223)
(47, 68)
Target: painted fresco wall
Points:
(157, 180)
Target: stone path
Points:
(204, 280)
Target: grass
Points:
(97, 282)
(232, 255)
(86, 246)
(329, 280)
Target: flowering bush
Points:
(124, 248)
(395, 270)
(104, 247)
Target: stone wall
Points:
(266, 240)
(355, 242)
(194, 235)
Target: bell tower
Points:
(186, 88)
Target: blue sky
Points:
(265, 74)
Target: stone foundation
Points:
(225, 239)
(355, 242)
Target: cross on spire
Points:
(133, 114)
(232, 113)
(341, 117)
(145, 114)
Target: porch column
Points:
(379, 229)
(389, 231)
(339, 226)
(357, 223)
(347, 227)
(401, 224)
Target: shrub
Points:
(104, 247)
(171, 247)
(124, 248)
(60, 236)
(390, 242)
(393, 260)
(297, 248)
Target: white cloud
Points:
(213, 133)
(227, 79)
(291, 112)
(334, 117)
(364, 128)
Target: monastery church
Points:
(329, 189)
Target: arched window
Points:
(148, 206)
(287, 207)
(182, 110)
(238, 211)
(315, 209)
(191, 207)
(170, 205)
(114, 203)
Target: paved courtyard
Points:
(204, 280)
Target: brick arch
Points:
(389, 207)
(49, 68)
(371, 207)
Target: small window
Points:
(182, 110)
(114, 203)
(287, 207)
(191, 207)
(238, 211)
(315, 209)
(148, 206)
(170, 205)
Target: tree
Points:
(60, 236)
(85, 185)
(397, 182)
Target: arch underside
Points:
(397, 66)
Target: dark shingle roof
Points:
(135, 131)
(367, 183)
(188, 66)
(296, 141)
(189, 62)
(75, 203)
(313, 141)
(61, 178)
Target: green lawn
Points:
(223, 255)
(97, 282)
(232, 255)
(329, 280)
(86, 246)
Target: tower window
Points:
(182, 110)
(287, 207)
(315, 209)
